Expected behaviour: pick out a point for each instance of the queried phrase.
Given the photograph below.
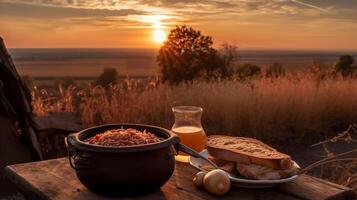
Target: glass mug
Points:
(189, 128)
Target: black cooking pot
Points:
(124, 171)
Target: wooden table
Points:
(55, 179)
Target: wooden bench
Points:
(55, 179)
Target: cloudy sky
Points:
(272, 24)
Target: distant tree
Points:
(109, 76)
(29, 82)
(228, 54)
(344, 66)
(248, 70)
(187, 55)
(275, 70)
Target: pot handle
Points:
(69, 153)
(191, 152)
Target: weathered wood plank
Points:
(312, 188)
(54, 179)
(184, 175)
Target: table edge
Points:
(27, 189)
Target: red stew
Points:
(122, 137)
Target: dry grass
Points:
(294, 107)
(340, 168)
(44, 103)
(298, 108)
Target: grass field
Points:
(290, 110)
(297, 107)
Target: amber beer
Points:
(193, 137)
(189, 128)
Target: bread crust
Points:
(246, 151)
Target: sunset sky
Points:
(272, 24)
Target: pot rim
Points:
(74, 140)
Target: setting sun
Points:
(147, 77)
(159, 36)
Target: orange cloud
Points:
(256, 23)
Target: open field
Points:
(297, 107)
(41, 63)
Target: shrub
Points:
(229, 55)
(109, 76)
(247, 71)
(344, 65)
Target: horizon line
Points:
(152, 48)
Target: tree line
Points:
(188, 55)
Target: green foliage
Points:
(248, 70)
(109, 76)
(187, 55)
(344, 66)
(275, 70)
(28, 81)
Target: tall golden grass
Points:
(300, 108)
(290, 107)
(45, 103)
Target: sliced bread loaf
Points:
(246, 151)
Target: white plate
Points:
(240, 181)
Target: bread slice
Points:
(259, 172)
(227, 166)
(246, 151)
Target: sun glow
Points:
(159, 36)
